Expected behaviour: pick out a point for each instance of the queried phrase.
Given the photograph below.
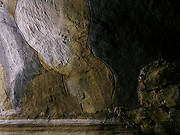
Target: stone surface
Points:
(159, 84)
(63, 127)
(59, 33)
(4, 101)
(93, 86)
(43, 26)
(19, 63)
(49, 97)
(100, 59)
(22, 79)
(158, 91)
(10, 5)
(128, 34)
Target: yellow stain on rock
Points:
(47, 96)
(4, 97)
(84, 86)
(87, 78)
(10, 5)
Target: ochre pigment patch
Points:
(10, 5)
(4, 97)
(19, 61)
(48, 97)
(58, 29)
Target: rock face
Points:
(22, 78)
(19, 63)
(93, 87)
(158, 91)
(72, 81)
(159, 84)
(10, 5)
(58, 31)
(127, 35)
(49, 97)
(89, 59)
(43, 26)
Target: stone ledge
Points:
(57, 122)
(63, 127)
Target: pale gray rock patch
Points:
(43, 27)
(58, 121)
(18, 59)
(7, 113)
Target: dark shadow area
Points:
(30, 70)
(128, 34)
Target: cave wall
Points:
(68, 79)
(128, 34)
(88, 52)
(91, 59)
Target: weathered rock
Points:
(150, 120)
(158, 91)
(93, 86)
(159, 84)
(58, 30)
(43, 26)
(5, 104)
(19, 62)
(24, 84)
(49, 98)
(10, 5)
(128, 34)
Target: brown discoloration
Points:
(47, 97)
(159, 86)
(87, 78)
(10, 5)
(4, 97)
(158, 91)
(77, 19)
(93, 86)
(85, 85)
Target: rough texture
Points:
(158, 91)
(48, 96)
(4, 101)
(10, 5)
(19, 62)
(93, 86)
(132, 76)
(159, 84)
(129, 34)
(59, 33)
(22, 78)
(43, 26)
